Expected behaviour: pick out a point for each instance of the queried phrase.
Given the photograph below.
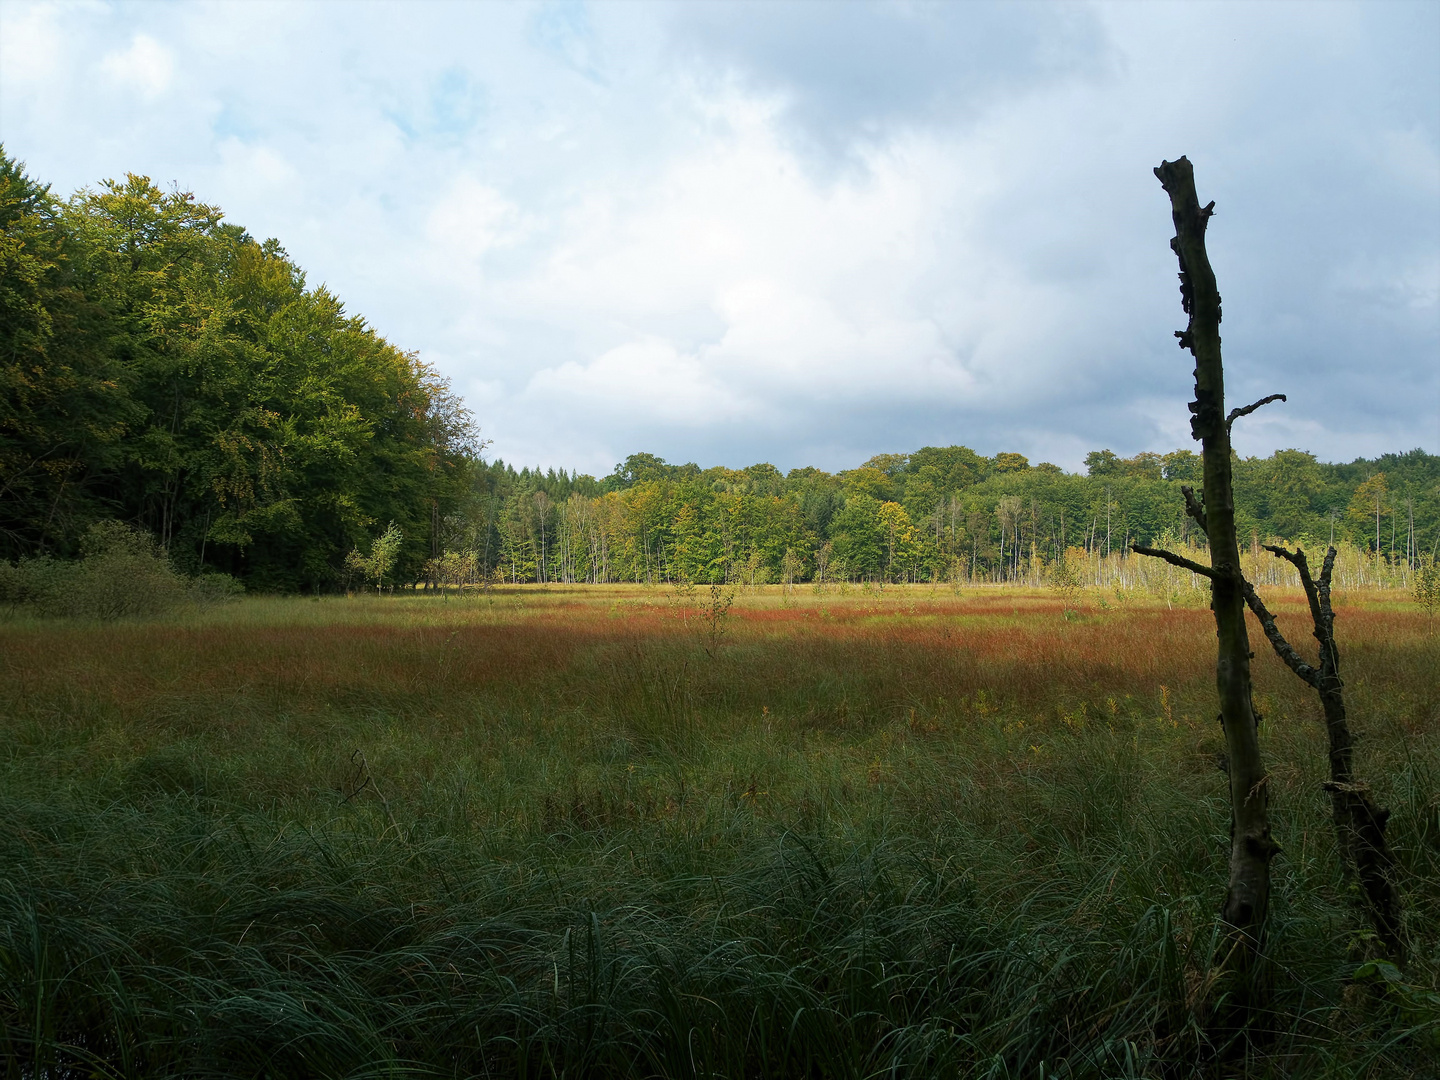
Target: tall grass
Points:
(879, 835)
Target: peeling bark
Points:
(1247, 899)
(1359, 823)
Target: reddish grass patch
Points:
(877, 654)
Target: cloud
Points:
(471, 219)
(564, 30)
(648, 375)
(805, 233)
(855, 72)
(31, 49)
(257, 167)
(145, 66)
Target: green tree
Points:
(869, 482)
(1101, 463)
(859, 538)
(267, 430)
(1182, 465)
(1368, 506)
(64, 403)
(383, 557)
(901, 543)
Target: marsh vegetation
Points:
(575, 831)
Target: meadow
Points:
(630, 832)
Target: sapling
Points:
(716, 611)
(1425, 588)
(384, 554)
(1066, 581)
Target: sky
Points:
(803, 233)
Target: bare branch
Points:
(1192, 505)
(1235, 414)
(1297, 557)
(1283, 649)
(1298, 560)
(1174, 560)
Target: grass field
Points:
(592, 832)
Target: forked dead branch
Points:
(1359, 823)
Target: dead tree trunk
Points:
(1359, 823)
(1248, 897)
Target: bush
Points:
(31, 582)
(121, 573)
(215, 588)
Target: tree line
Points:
(161, 367)
(938, 513)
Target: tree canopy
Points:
(908, 517)
(160, 366)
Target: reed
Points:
(566, 832)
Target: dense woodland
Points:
(160, 367)
(940, 512)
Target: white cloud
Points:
(256, 167)
(31, 48)
(649, 375)
(146, 66)
(688, 231)
(471, 219)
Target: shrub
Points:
(121, 573)
(31, 582)
(213, 587)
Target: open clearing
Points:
(615, 831)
